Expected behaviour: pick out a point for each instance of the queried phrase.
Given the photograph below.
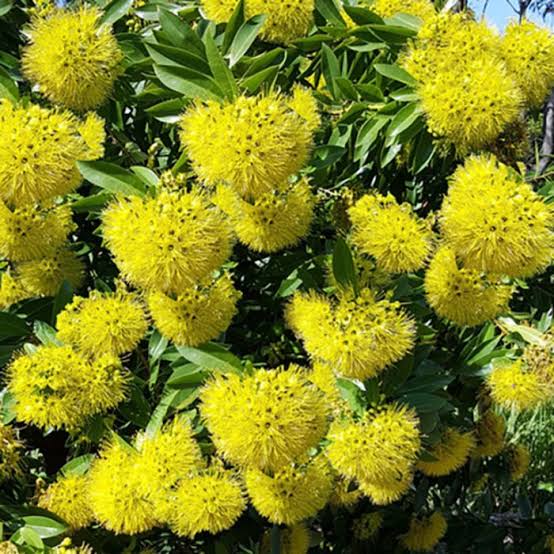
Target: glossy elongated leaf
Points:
(190, 83)
(222, 74)
(12, 326)
(244, 38)
(211, 356)
(344, 269)
(395, 73)
(115, 10)
(111, 177)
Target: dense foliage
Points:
(276, 275)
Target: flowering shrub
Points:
(276, 277)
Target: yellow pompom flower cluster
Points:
(391, 233)
(196, 314)
(10, 453)
(528, 51)
(116, 321)
(274, 220)
(464, 296)
(423, 9)
(358, 336)
(73, 57)
(490, 431)
(516, 387)
(293, 493)
(495, 222)
(519, 459)
(166, 243)
(68, 499)
(265, 420)
(379, 451)
(450, 453)
(346, 494)
(58, 387)
(287, 20)
(424, 533)
(466, 90)
(367, 526)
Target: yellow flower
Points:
(294, 540)
(519, 459)
(68, 499)
(11, 291)
(423, 9)
(463, 296)
(304, 104)
(264, 420)
(7, 547)
(387, 492)
(293, 493)
(115, 321)
(208, 502)
(516, 388)
(450, 453)
(38, 151)
(93, 134)
(490, 432)
(528, 51)
(169, 456)
(286, 21)
(322, 376)
(495, 221)
(357, 336)
(424, 533)
(57, 387)
(390, 232)
(45, 276)
(73, 57)
(10, 453)
(345, 494)
(196, 314)
(379, 450)
(29, 232)
(166, 243)
(66, 547)
(253, 144)
(116, 495)
(274, 220)
(367, 526)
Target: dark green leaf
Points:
(329, 11)
(233, 25)
(8, 87)
(64, 296)
(111, 177)
(180, 32)
(244, 38)
(344, 270)
(254, 82)
(220, 71)
(12, 326)
(190, 83)
(211, 356)
(115, 10)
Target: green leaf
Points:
(115, 10)
(186, 375)
(45, 333)
(26, 535)
(5, 6)
(362, 16)
(179, 32)
(8, 87)
(344, 270)
(92, 203)
(162, 54)
(211, 356)
(61, 300)
(156, 346)
(244, 38)
(168, 111)
(330, 66)
(45, 527)
(353, 394)
(528, 334)
(111, 177)
(424, 402)
(254, 82)
(158, 416)
(190, 83)
(233, 25)
(403, 120)
(395, 73)
(78, 466)
(12, 326)
(220, 71)
(329, 11)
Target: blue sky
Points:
(499, 12)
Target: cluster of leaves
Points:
(374, 137)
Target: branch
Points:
(547, 148)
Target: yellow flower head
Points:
(450, 453)
(274, 220)
(93, 134)
(495, 221)
(463, 296)
(116, 495)
(490, 431)
(68, 499)
(367, 526)
(38, 151)
(387, 492)
(424, 533)
(528, 51)
(357, 336)
(11, 291)
(378, 450)
(57, 387)
(10, 453)
(293, 493)
(116, 321)
(167, 457)
(345, 494)
(73, 58)
(67, 547)
(286, 20)
(294, 540)
(166, 243)
(390, 232)
(423, 9)
(7, 547)
(513, 386)
(302, 101)
(208, 502)
(322, 376)
(28, 233)
(196, 314)
(45, 276)
(264, 420)
(519, 459)
(253, 144)
(549, 543)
